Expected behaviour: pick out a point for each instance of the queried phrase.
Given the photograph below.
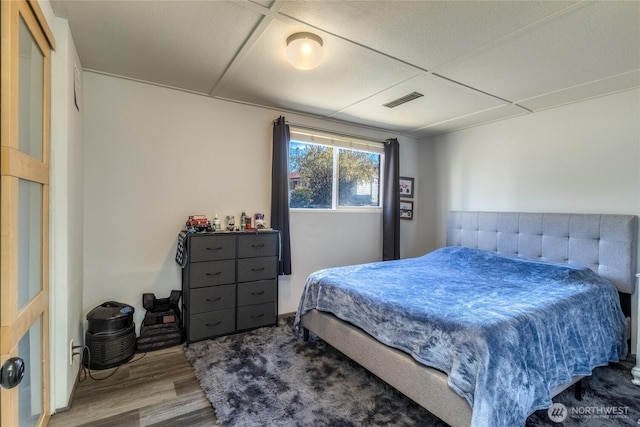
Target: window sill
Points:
(353, 210)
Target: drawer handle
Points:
(217, 273)
(213, 299)
(211, 325)
(258, 246)
(257, 293)
(257, 316)
(257, 269)
(214, 249)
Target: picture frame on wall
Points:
(406, 209)
(406, 187)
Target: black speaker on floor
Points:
(110, 339)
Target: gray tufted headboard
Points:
(607, 244)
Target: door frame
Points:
(16, 165)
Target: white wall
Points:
(427, 198)
(67, 212)
(582, 158)
(67, 216)
(154, 155)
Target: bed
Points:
(503, 346)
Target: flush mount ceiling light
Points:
(304, 50)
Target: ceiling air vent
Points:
(403, 99)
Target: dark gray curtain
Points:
(280, 192)
(391, 201)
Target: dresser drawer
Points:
(257, 245)
(212, 298)
(211, 324)
(250, 293)
(212, 247)
(250, 269)
(211, 273)
(253, 316)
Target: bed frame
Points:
(605, 243)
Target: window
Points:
(332, 172)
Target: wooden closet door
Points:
(24, 212)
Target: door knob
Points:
(11, 372)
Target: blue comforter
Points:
(506, 331)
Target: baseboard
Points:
(73, 391)
(286, 315)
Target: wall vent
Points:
(403, 99)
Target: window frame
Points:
(336, 142)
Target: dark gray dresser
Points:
(230, 282)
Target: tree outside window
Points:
(312, 177)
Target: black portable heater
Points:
(110, 337)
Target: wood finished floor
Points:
(159, 389)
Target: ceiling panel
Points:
(344, 77)
(442, 100)
(424, 33)
(181, 44)
(474, 119)
(595, 41)
(590, 90)
(264, 3)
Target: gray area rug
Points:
(270, 377)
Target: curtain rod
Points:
(346, 135)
